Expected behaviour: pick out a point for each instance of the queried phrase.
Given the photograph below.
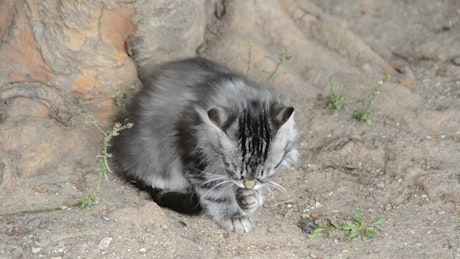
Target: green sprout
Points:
(357, 227)
(366, 113)
(323, 229)
(336, 101)
(279, 62)
(89, 199)
(282, 59)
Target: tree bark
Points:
(61, 59)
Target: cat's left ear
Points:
(218, 115)
(281, 114)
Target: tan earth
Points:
(61, 60)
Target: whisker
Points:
(217, 185)
(228, 186)
(207, 173)
(215, 179)
(272, 195)
(276, 185)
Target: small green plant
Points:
(279, 62)
(323, 229)
(336, 101)
(357, 227)
(89, 199)
(282, 59)
(366, 113)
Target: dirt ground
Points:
(404, 167)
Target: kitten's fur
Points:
(204, 138)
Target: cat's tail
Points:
(186, 203)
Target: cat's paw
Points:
(238, 224)
(249, 200)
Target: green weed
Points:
(366, 113)
(357, 227)
(89, 199)
(352, 229)
(323, 229)
(279, 62)
(336, 101)
(282, 59)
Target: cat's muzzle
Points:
(249, 184)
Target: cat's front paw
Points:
(249, 200)
(238, 224)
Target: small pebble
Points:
(142, 250)
(36, 250)
(104, 243)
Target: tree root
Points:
(50, 96)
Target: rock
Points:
(307, 225)
(104, 243)
(380, 185)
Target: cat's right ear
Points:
(281, 115)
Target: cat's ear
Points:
(218, 115)
(281, 114)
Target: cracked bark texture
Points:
(59, 59)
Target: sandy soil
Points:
(403, 168)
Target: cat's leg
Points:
(224, 209)
(249, 200)
(238, 224)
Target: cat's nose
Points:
(249, 184)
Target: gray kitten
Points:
(206, 139)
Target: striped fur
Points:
(255, 134)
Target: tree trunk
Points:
(62, 59)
